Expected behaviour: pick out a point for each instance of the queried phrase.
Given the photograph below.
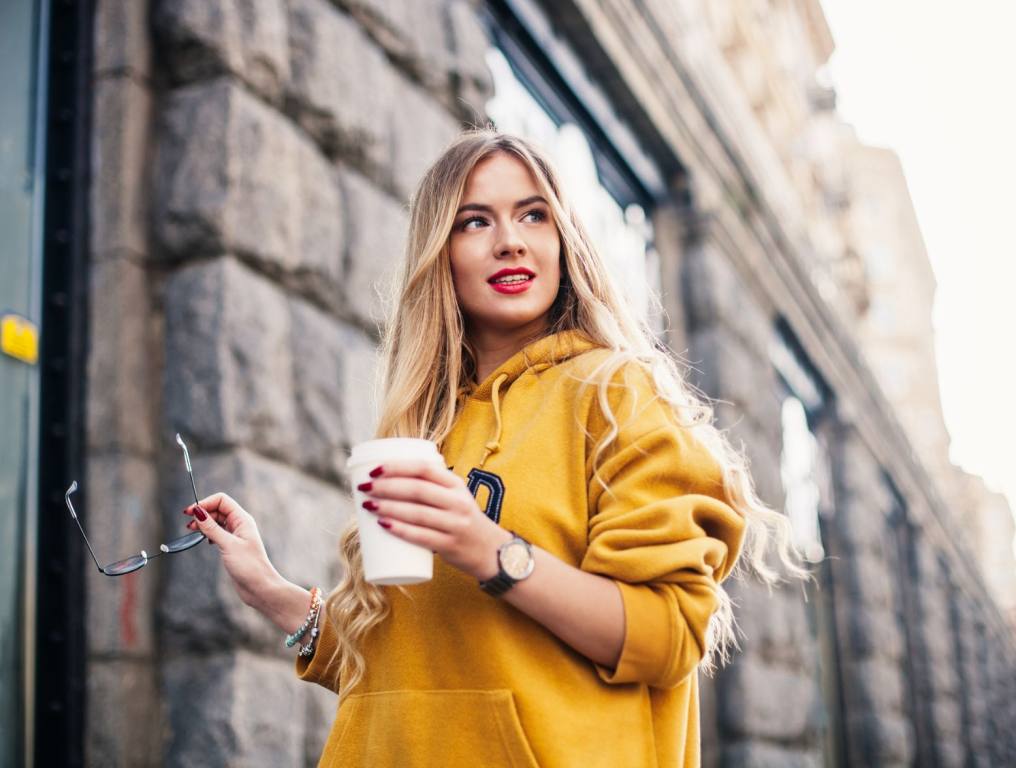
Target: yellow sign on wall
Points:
(19, 338)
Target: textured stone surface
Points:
(122, 41)
(120, 166)
(471, 83)
(421, 129)
(123, 366)
(300, 519)
(319, 370)
(233, 709)
(761, 755)
(879, 740)
(376, 248)
(234, 176)
(341, 84)
(775, 625)
(117, 502)
(765, 701)
(229, 369)
(123, 717)
(247, 38)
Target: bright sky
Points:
(936, 81)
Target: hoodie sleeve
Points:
(664, 533)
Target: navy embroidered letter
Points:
(495, 491)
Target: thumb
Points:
(205, 523)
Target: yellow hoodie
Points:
(458, 679)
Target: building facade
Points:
(225, 203)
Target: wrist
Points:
(487, 566)
(284, 603)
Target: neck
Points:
(492, 348)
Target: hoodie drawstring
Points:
(494, 444)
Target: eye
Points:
(473, 222)
(534, 216)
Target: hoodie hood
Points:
(537, 356)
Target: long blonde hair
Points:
(427, 361)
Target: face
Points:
(505, 251)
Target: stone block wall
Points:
(251, 165)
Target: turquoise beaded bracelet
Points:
(315, 608)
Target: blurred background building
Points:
(203, 201)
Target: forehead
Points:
(501, 175)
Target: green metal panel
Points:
(20, 222)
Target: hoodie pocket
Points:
(426, 729)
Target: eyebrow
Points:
(520, 204)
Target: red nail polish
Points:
(365, 487)
(200, 513)
(372, 506)
(376, 472)
(384, 524)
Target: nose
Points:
(510, 243)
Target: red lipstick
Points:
(513, 280)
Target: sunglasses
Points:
(136, 562)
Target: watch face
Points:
(516, 559)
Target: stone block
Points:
(235, 176)
(869, 582)
(122, 39)
(728, 371)
(872, 631)
(412, 33)
(361, 386)
(233, 709)
(421, 130)
(342, 84)
(319, 364)
(715, 295)
(862, 527)
(879, 740)
(229, 364)
(300, 520)
(123, 723)
(471, 81)
(119, 188)
(117, 503)
(754, 754)
(202, 39)
(875, 686)
(377, 230)
(774, 624)
(760, 700)
(122, 365)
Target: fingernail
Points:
(384, 524)
(365, 487)
(372, 506)
(376, 472)
(200, 513)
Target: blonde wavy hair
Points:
(427, 361)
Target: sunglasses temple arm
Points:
(194, 488)
(85, 537)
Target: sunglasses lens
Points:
(127, 565)
(185, 542)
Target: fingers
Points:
(433, 540)
(206, 523)
(417, 515)
(224, 510)
(427, 470)
(411, 489)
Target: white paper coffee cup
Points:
(388, 559)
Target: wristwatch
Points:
(514, 563)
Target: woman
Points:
(563, 427)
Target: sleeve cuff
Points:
(662, 645)
(317, 668)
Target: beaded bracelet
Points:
(308, 650)
(315, 605)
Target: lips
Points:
(514, 280)
(511, 276)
